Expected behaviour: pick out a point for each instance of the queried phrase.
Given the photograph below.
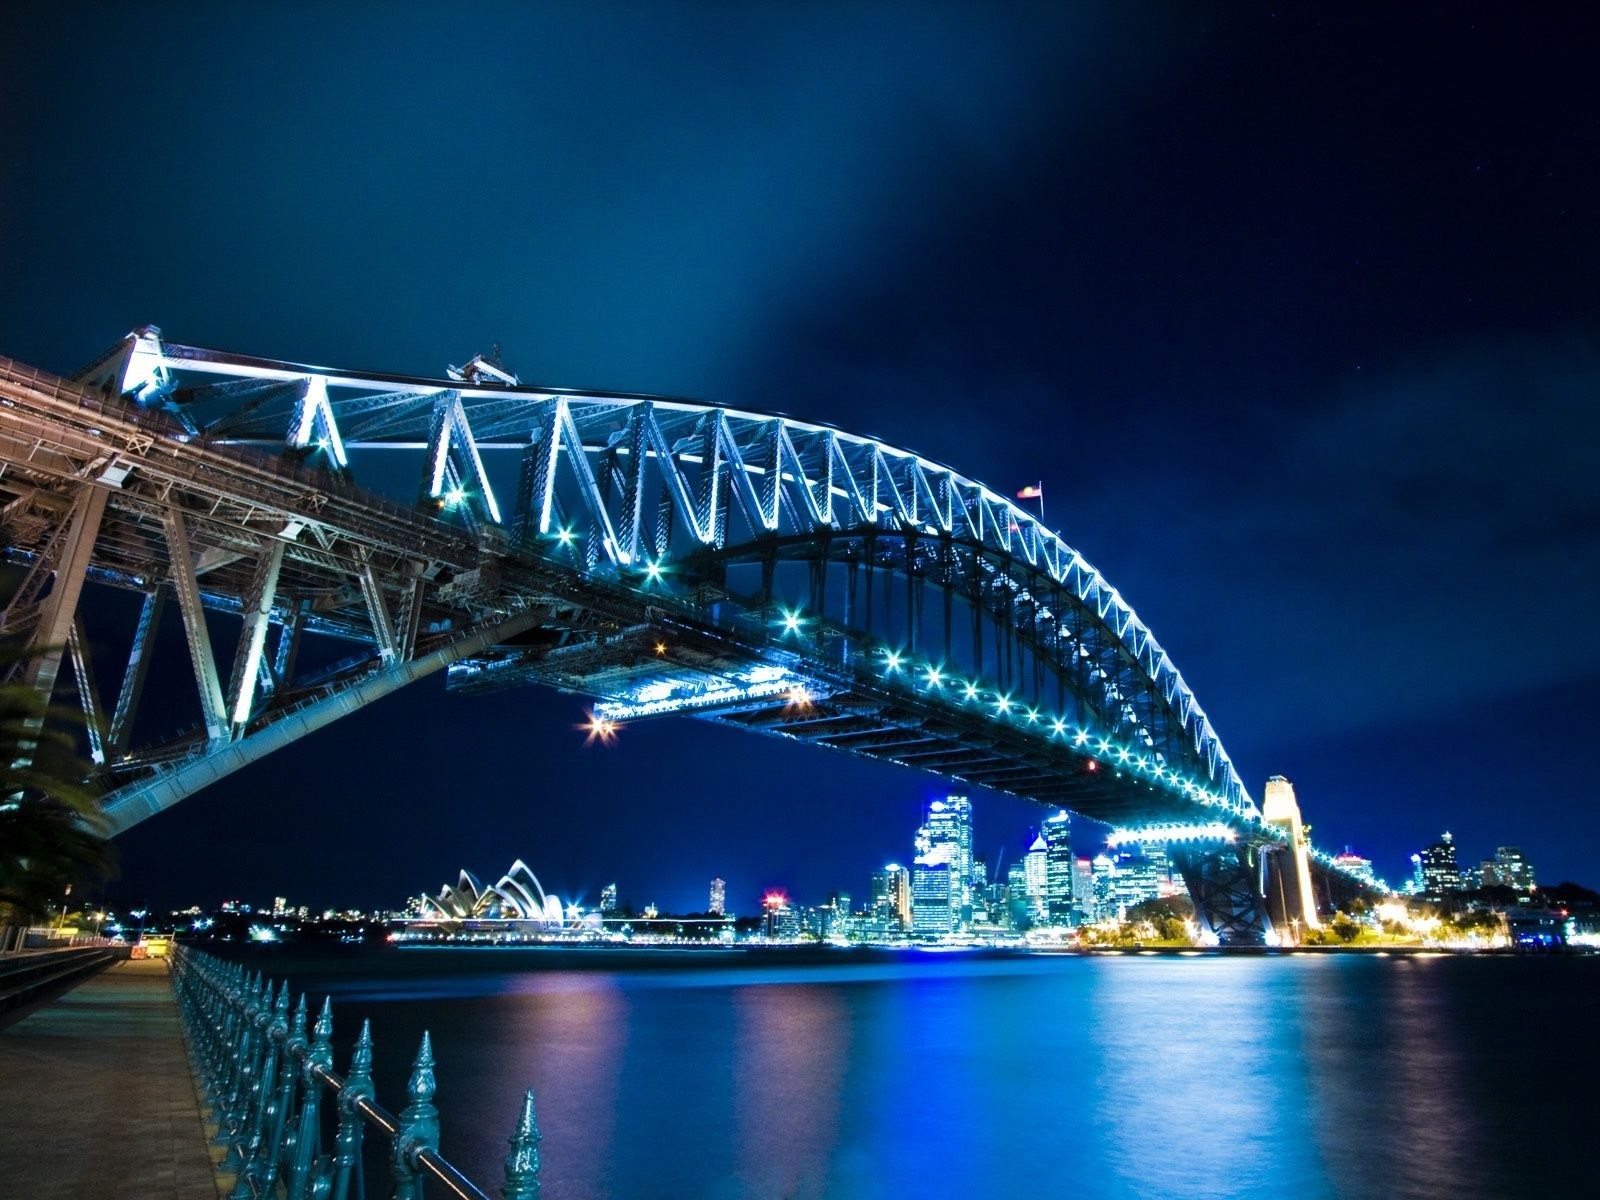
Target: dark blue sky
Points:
(1292, 309)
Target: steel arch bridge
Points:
(660, 555)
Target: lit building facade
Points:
(1441, 874)
(1036, 873)
(719, 898)
(932, 885)
(1057, 835)
(779, 919)
(608, 898)
(946, 837)
(1508, 868)
(1086, 912)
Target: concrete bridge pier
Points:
(1225, 884)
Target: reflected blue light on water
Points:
(1114, 1078)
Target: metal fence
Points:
(267, 1083)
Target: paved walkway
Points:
(96, 1098)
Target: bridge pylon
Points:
(1225, 884)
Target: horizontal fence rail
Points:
(267, 1082)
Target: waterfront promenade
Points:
(97, 1101)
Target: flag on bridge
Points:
(1034, 491)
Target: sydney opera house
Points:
(516, 898)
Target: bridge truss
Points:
(660, 555)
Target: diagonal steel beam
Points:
(138, 669)
(127, 806)
(187, 586)
(88, 693)
(253, 636)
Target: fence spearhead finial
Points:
(522, 1164)
(421, 1086)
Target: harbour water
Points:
(946, 1075)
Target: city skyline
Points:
(1078, 844)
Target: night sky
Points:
(1292, 309)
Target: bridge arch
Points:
(656, 553)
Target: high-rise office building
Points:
(1104, 878)
(608, 898)
(1135, 878)
(1036, 872)
(1085, 911)
(946, 836)
(1017, 910)
(1440, 872)
(1414, 886)
(897, 886)
(1057, 834)
(779, 918)
(931, 886)
(1508, 868)
(719, 898)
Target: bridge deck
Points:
(96, 1098)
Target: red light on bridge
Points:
(1091, 765)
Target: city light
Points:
(564, 536)
(799, 697)
(652, 570)
(1214, 831)
(791, 621)
(891, 660)
(600, 729)
(934, 677)
(455, 498)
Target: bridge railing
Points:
(267, 1080)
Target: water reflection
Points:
(1098, 1078)
(789, 1062)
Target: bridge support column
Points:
(1225, 885)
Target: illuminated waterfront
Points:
(958, 1076)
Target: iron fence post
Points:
(522, 1164)
(419, 1125)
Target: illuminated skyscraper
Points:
(1036, 870)
(1508, 868)
(1017, 907)
(719, 898)
(1415, 885)
(1440, 872)
(1104, 874)
(897, 887)
(608, 898)
(949, 825)
(1085, 912)
(779, 918)
(931, 886)
(1058, 869)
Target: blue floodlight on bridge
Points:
(662, 556)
